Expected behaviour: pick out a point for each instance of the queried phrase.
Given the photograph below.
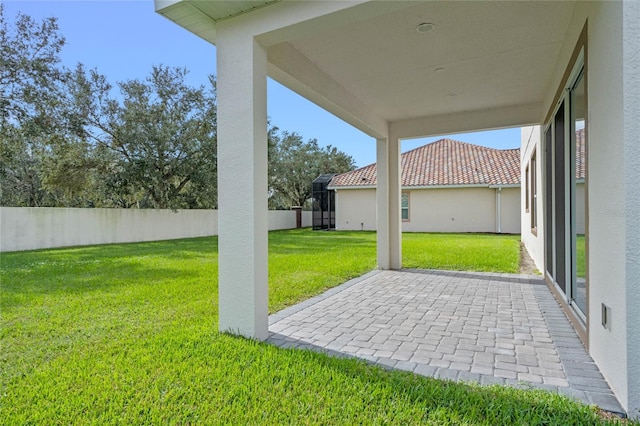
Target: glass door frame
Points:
(577, 76)
(568, 170)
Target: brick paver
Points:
(486, 328)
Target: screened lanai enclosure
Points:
(324, 203)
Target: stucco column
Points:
(388, 193)
(242, 184)
(631, 129)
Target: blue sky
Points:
(123, 39)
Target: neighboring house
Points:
(447, 186)
(401, 70)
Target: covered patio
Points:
(399, 70)
(466, 326)
(395, 70)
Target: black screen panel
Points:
(559, 199)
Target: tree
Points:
(294, 164)
(161, 137)
(31, 80)
(65, 140)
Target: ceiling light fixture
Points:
(425, 27)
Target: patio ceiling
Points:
(483, 65)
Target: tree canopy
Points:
(31, 80)
(158, 141)
(294, 164)
(70, 138)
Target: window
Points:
(526, 188)
(533, 193)
(405, 206)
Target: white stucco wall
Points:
(356, 210)
(532, 239)
(631, 125)
(283, 219)
(608, 252)
(510, 211)
(435, 210)
(307, 221)
(606, 256)
(36, 228)
(452, 210)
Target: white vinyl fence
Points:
(28, 228)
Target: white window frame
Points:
(403, 208)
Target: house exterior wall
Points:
(452, 210)
(532, 238)
(435, 210)
(510, 211)
(607, 222)
(631, 111)
(356, 209)
(29, 228)
(606, 256)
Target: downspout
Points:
(498, 211)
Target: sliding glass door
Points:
(578, 194)
(559, 193)
(565, 172)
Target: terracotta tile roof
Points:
(580, 154)
(446, 162)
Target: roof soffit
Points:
(480, 55)
(481, 59)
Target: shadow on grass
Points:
(453, 402)
(99, 268)
(78, 281)
(306, 240)
(171, 249)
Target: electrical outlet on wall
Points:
(606, 316)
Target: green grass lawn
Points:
(580, 256)
(126, 334)
(462, 252)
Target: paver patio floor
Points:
(466, 326)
